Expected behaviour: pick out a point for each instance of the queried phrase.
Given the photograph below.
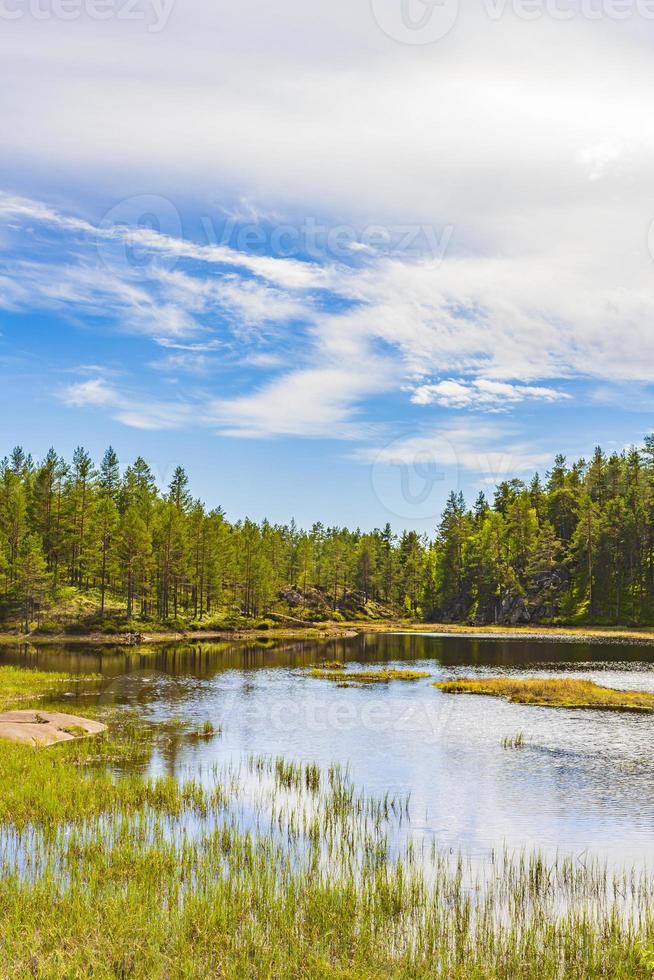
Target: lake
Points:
(582, 784)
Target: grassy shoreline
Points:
(634, 636)
(156, 878)
(555, 692)
(103, 870)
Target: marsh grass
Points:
(18, 684)
(276, 868)
(207, 730)
(312, 887)
(557, 692)
(77, 780)
(351, 677)
(514, 741)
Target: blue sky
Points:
(332, 274)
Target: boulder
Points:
(46, 727)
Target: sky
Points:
(334, 258)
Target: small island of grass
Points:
(367, 676)
(556, 692)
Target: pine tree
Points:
(103, 550)
(109, 475)
(32, 578)
(134, 550)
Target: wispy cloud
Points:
(482, 394)
(490, 452)
(488, 328)
(127, 407)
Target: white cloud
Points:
(184, 362)
(95, 392)
(482, 394)
(284, 272)
(495, 323)
(490, 452)
(316, 401)
(128, 407)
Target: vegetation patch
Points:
(514, 741)
(208, 730)
(20, 684)
(556, 692)
(313, 889)
(98, 866)
(347, 677)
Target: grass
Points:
(207, 730)
(639, 635)
(557, 692)
(514, 741)
(75, 781)
(124, 875)
(171, 884)
(18, 684)
(383, 676)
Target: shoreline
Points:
(628, 636)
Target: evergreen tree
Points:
(109, 475)
(32, 578)
(579, 544)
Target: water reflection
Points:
(583, 782)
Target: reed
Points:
(276, 868)
(514, 741)
(19, 684)
(367, 676)
(556, 692)
(162, 878)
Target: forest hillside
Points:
(95, 546)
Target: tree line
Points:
(577, 544)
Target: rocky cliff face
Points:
(541, 601)
(317, 604)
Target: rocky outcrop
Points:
(46, 727)
(539, 602)
(317, 604)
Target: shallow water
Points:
(583, 783)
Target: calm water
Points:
(584, 782)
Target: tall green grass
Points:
(272, 868)
(276, 869)
(19, 685)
